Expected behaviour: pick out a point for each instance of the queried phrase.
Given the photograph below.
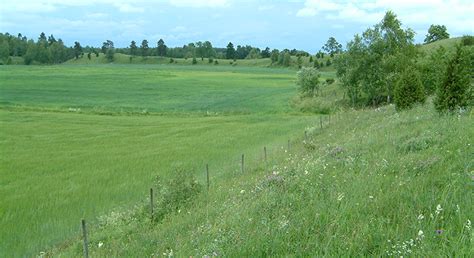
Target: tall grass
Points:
(370, 183)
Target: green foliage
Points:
(330, 81)
(274, 55)
(144, 48)
(467, 40)
(435, 33)
(194, 61)
(308, 80)
(453, 93)
(433, 69)
(162, 48)
(77, 49)
(409, 89)
(4, 51)
(311, 59)
(216, 62)
(328, 62)
(230, 51)
(175, 192)
(332, 46)
(374, 61)
(286, 59)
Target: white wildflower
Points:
(421, 217)
(100, 244)
(340, 197)
(242, 191)
(371, 197)
(438, 209)
(457, 208)
(468, 225)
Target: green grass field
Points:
(370, 183)
(79, 141)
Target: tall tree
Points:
(77, 49)
(332, 46)
(109, 48)
(133, 48)
(436, 32)
(453, 92)
(144, 48)
(230, 51)
(266, 53)
(374, 62)
(161, 48)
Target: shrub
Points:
(409, 89)
(467, 40)
(210, 60)
(216, 62)
(308, 80)
(453, 92)
(174, 193)
(194, 61)
(330, 81)
(171, 60)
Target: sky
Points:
(300, 24)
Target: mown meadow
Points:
(80, 140)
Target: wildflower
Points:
(439, 231)
(100, 244)
(340, 197)
(457, 208)
(371, 197)
(421, 235)
(242, 191)
(420, 217)
(438, 209)
(468, 225)
(306, 172)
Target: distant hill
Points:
(449, 44)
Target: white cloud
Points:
(199, 3)
(127, 8)
(455, 14)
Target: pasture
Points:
(78, 141)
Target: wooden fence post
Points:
(207, 176)
(265, 153)
(151, 205)
(84, 236)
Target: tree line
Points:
(49, 50)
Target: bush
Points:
(308, 80)
(453, 92)
(210, 60)
(171, 60)
(409, 89)
(194, 61)
(467, 40)
(330, 81)
(174, 193)
(216, 62)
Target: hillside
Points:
(448, 44)
(369, 183)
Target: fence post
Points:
(242, 165)
(207, 176)
(265, 153)
(151, 205)
(84, 235)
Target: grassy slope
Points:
(366, 184)
(59, 164)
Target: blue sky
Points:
(301, 24)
